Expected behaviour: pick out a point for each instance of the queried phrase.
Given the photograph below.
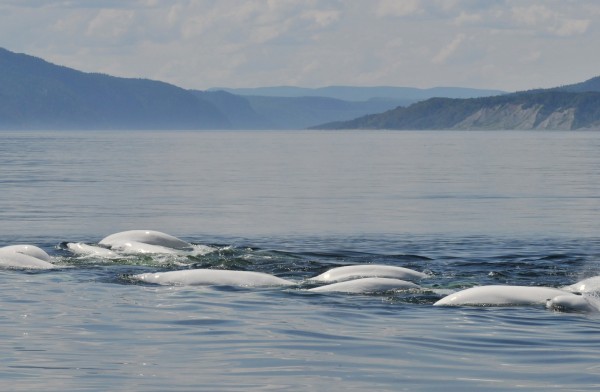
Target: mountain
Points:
(569, 107)
(304, 112)
(35, 94)
(237, 109)
(288, 107)
(406, 95)
(264, 112)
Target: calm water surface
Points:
(467, 207)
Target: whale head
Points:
(572, 303)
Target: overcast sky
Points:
(501, 44)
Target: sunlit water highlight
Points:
(469, 208)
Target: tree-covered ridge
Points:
(38, 94)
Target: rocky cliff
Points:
(516, 116)
(561, 108)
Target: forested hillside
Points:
(35, 94)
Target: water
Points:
(467, 207)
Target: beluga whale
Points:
(82, 249)
(350, 272)
(145, 241)
(136, 242)
(24, 257)
(502, 295)
(573, 303)
(366, 286)
(213, 277)
(588, 285)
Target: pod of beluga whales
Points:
(358, 279)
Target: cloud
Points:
(532, 57)
(467, 18)
(111, 24)
(244, 43)
(322, 18)
(397, 8)
(532, 15)
(78, 4)
(540, 18)
(442, 56)
(571, 27)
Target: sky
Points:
(198, 44)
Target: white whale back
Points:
(368, 271)
(206, 277)
(134, 247)
(497, 295)
(585, 286)
(365, 286)
(24, 257)
(149, 237)
(30, 250)
(572, 303)
(79, 248)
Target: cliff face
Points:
(516, 116)
(553, 109)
